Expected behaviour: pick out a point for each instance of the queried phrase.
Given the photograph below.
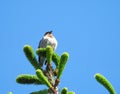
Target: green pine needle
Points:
(41, 52)
(102, 80)
(9, 92)
(64, 90)
(71, 92)
(30, 55)
(63, 61)
(45, 91)
(43, 78)
(56, 59)
(28, 79)
(49, 53)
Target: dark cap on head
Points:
(49, 32)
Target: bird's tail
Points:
(41, 61)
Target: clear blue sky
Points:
(88, 30)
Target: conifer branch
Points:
(63, 61)
(28, 79)
(43, 78)
(49, 53)
(30, 56)
(102, 80)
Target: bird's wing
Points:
(54, 44)
(43, 43)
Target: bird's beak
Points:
(50, 31)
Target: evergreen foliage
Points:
(50, 76)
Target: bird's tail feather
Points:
(41, 61)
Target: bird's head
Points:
(49, 34)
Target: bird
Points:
(48, 39)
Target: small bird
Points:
(48, 39)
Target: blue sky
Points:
(88, 30)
